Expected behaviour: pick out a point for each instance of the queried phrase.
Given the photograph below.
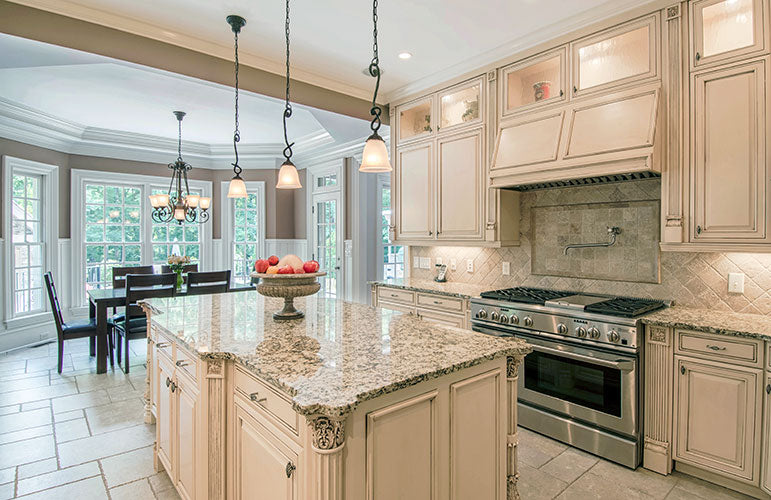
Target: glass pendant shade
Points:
(163, 199)
(237, 188)
(205, 203)
(154, 201)
(375, 156)
(288, 177)
(179, 213)
(192, 200)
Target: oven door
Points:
(594, 386)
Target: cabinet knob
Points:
(682, 370)
(575, 89)
(290, 468)
(255, 397)
(562, 93)
(768, 389)
(173, 387)
(698, 56)
(715, 347)
(698, 229)
(430, 233)
(168, 381)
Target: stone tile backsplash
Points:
(689, 278)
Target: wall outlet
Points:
(506, 268)
(453, 265)
(470, 266)
(416, 262)
(425, 262)
(439, 261)
(735, 282)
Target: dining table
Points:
(102, 299)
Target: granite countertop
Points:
(339, 355)
(449, 288)
(708, 320)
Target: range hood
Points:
(606, 137)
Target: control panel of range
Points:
(606, 331)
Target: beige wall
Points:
(285, 208)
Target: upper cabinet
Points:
(535, 82)
(615, 57)
(460, 106)
(415, 120)
(726, 29)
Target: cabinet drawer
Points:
(396, 295)
(267, 399)
(164, 345)
(396, 307)
(186, 361)
(442, 319)
(439, 302)
(768, 357)
(743, 351)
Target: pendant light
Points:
(375, 156)
(287, 175)
(237, 188)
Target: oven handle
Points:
(621, 364)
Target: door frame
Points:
(314, 194)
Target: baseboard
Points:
(27, 336)
(731, 484)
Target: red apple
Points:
(261, 266)
(299, 270)
(285, 270)
(273, 260)
(311, 266)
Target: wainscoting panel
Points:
(63, 272)
(218, 256)
(284, 247)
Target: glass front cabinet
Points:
(535, 82)
(726, 29)
(416, 120)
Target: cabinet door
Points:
(187, 449)
(725, 29)
(264, 466)
(164, 417)
(534, 82)
(766, 482)
(459, 179)
(442, 318)
(461, 106)
(729, 120)
(718, 417)
(415, 192)
(615, 57)
(415, 119)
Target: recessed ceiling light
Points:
(404, 55)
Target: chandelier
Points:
(178, 205)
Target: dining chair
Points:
(119, 281)
(134, 324)
(208, 282)
(73, 330)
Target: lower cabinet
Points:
(766, 483)
(718, 417)
(165, 413)
(437, 308)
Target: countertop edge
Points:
(418, 288)
(702, 325)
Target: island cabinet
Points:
(766, 485)
(437, 308)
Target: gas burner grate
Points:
(625, 307)
(525, 295)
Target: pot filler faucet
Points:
(612, 232)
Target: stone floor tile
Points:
(22, 452)
(25, 420)
(535, 450)
(93, 381)
(80, 401)
(168, 495)
(27, 395)
(68, 415)
(128, 467)
(570, 464)
(534, 484)
(138, 490)
(123, 395)
(71, 429)
(36, 405)
(6, 491)
(113, 416)
(87, 489)
(49, 363)
(32, 432)
(641, 480)
(37, 468)
(105, 445)
(57, 478)
(7, 475)
(691, 487)
(5, 410)
(12, 364)
(24, 383)
(22, 375)
(593, 487)
(160, 482)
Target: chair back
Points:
(54, 299)
(119, 274)
(208, 282)
(188, 268)
(147, 286)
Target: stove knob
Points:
(528, 321)
(613, 336)
(581, 332)
(514, 319)
(504, 319)
(482, 314)
(594, 333)
(494, 316)
(562, 329)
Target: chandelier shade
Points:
(288, 178)
(237, 188)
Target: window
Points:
(172, 238)
(393, 255)
(113, 216)
(28, 244)
(329, 180)
(243, 225)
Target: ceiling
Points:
(332, 39)
(109, 97)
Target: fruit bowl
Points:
(288, 286)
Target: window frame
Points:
(79, 179)
(228, 221)
(49, 196)
(383, 182)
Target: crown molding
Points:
(516, 45)
(163, 34)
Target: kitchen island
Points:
(350, 402)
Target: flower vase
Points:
(180, 280)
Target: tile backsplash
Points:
(690, 279)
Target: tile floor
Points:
(80, 434)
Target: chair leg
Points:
(92, 346)
(118, 342)
(111, 346)
(126, 354)
(61, 355)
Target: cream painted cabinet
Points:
(186, 452)
(415, 120)
(165, 414)
(537, 81)
(437, 308)
(460, 186)
(724, 30)
(414, 175)
(729, 119)
(718, 417)
(766, 482)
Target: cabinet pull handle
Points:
(698, 229)
(173, 387)
(575, 89)
(394, 295)
(682, 370)
(768, 389)
(290, 468)
(715, 347)
(698, 56)
(430, 233)
(438, 302)
(562, 93)
(168, 381)
(255, 397)
(162, 345)
(182, 362)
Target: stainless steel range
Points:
(581, 384)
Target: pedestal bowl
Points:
(288, 286)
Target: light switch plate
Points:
(453, 265)
(425, 262)
(735, 282)
(470, 266)
(506, 268)
(416, 262)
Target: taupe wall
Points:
(285, 208)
